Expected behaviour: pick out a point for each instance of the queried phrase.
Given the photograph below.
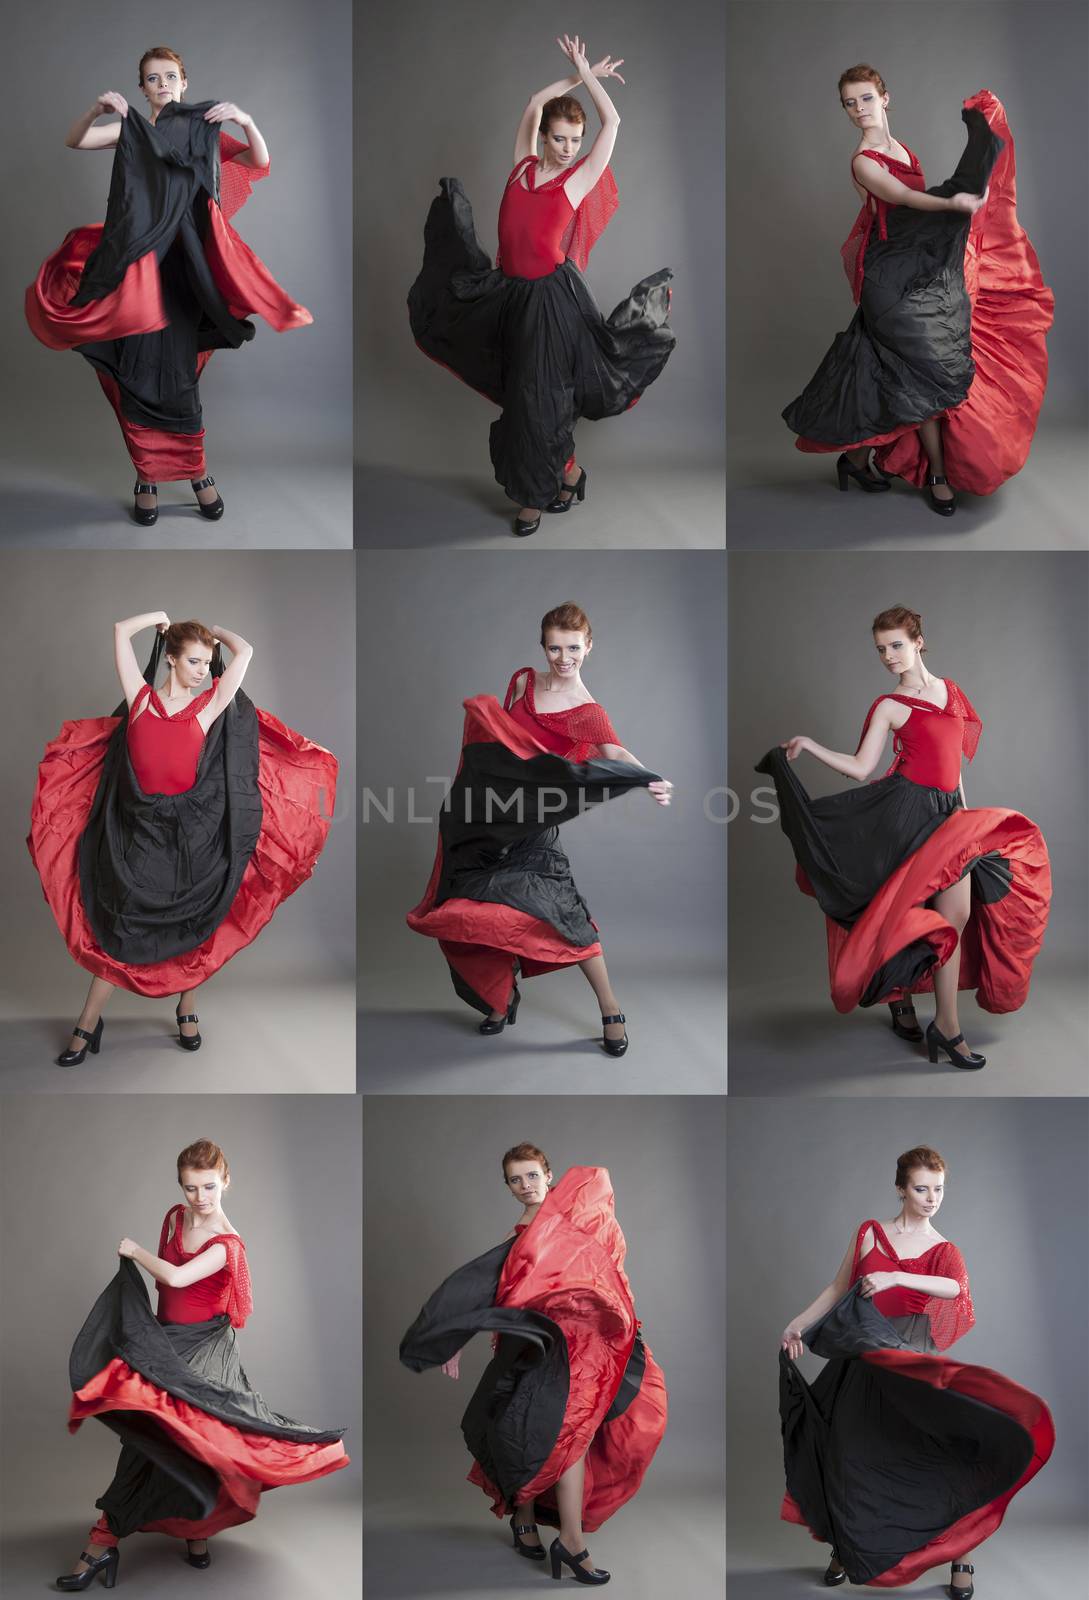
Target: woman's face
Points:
(565, 652)
(897, 652)
(528, 1181)
(864, 103)
(163, 81)
(562, 141)
(203, 1191)
(191, 664)
(923, 1194)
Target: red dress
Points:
(165, 747)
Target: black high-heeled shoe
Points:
(834, 1574)
(573, 491)
(214, 510)
(145, 516)
(561, 1558)
(524, 529)
(497, 1024)
(961, 1594)
(72, 1058)
(187, 1041)
(197, 1561)
(936, 1041)
(104, 1566)
(944, 508)
(614, 1047)
(846, 470)
(534, 1552)
(905, 1024)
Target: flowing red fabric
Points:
(987, 438)
(928, 748)
(577, 734)
(569, 1265)
(297, 783)
(228, 1292)
(158, 456)
(135, 306)
(1001, 939)
(949, 1319)
(480, 940)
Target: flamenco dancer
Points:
(572, 1406)
(199, 1445)
(148, 296)
(940, 1447)
(501, 898)
(919, 892)
(166, 835)
(942, 371)
(527, 333)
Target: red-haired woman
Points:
(566, 1418)
(527, 333)
(501, 898)
(199, 1444)
(166, 835)
(900, 1459)
(942, 371)
(919, 893)
(147, 296)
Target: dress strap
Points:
(522, 167)
(143, 693)
(508, 698)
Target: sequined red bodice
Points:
(576, 734)
(949, 1319)
(226, 1292)
(165, 749)
(929, 746)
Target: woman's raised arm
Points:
(872, 176)
(82, 136)
(214, 1259)
(525, 140)
(865, 758)
(230, 682)
(132, 679)
(580, 183)
(227, 111)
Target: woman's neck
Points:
(905, 1223)
(561, 683)
(915, 679)
(879, 139)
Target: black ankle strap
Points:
(902, 1008)
(192, 1017)
(145, 488)
(935, 477)
(203, 483)
(524, 1527)
(620, 1017)
(96, 1561)
(963, 1566)
(81, 1033)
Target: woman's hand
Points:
(795, 746)
(606, 68)
(111, 101)
(662, 790)
(791, 1342)
(575, 51)
(227, 111)
(162, 622)
(969, 202)
(452, 1368)
(128, 1247)
(876, 1283)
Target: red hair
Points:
(203, 1155)
(568, 618)
(179, 634)
(161, 52)
(899, 617)
(921, 1156)
(564, 108)
(526, 1152)
(863, 73)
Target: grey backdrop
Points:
(280, 1015)
(791, 204)
(797, 1187)
(295, 1198)
(803, 661)
(433, 1199)
(278, 412)
(431, 636)
(424, 476)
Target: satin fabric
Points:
(901, 1460)
(987, 435)
(501, 895)
(572, 1376)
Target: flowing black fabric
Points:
(538, 347)
(195, 1362)
(907, 354)
(163, 175)
(158, 873)
(881, 1463)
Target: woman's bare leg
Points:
(187, 1005)
(97, 995)
(962, 1580)
(571, 475)
(569, 1490)
(596, 974)
(930, 435)
(525, 1514)
(207, 497)
(197, 1547)
(955, 905)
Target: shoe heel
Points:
(841, 474)
(109, 1577)
(580, 492)
(557, 1564)
(96, 1042)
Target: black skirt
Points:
(538, 347)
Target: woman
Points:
(943, 369)
(147, 297)
(501, 897)
(919, 892)
(572, 1406)
(199, 1444)
(166, 835)
(898, 1457)
(527, 333)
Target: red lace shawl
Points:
(236, 178)
(949, 1319)
(957, 705)
(239, 1304)
(588, 222)
(874, 209)
(575, 734)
